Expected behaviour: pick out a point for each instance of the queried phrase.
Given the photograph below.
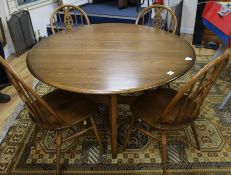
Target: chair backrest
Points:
(191, 96)
(37, 107)
(67, 17)
(158, 16)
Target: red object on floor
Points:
(219, 23)
(160, 2)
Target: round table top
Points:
(110, 58)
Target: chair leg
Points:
(127, 137)
(193, 126)
(164, 151)
(77, 138)
(97, 134)
(58, 151)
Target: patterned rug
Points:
(17, 156)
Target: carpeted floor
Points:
(110, 8)
(143, 154)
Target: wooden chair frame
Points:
(193, 94)
(39, 109)
(69, 22)
(158, 21)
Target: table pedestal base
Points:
(113, 121)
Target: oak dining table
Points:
(110, 59)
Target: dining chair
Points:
(166, 109)
(58, 110)
(158, 16)
(67, 17)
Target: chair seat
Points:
(150, 107)
(70, 107)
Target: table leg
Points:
(113, 120)
(122, 4)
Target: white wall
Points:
(188, 16)
(75, 2)
(40, 17)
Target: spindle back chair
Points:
(58, 110)
(67, 17)
(167, 109)
(158, 16)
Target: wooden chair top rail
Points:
(69, 20)
(157, 20)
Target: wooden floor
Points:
(19, 64)
(7, 109)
